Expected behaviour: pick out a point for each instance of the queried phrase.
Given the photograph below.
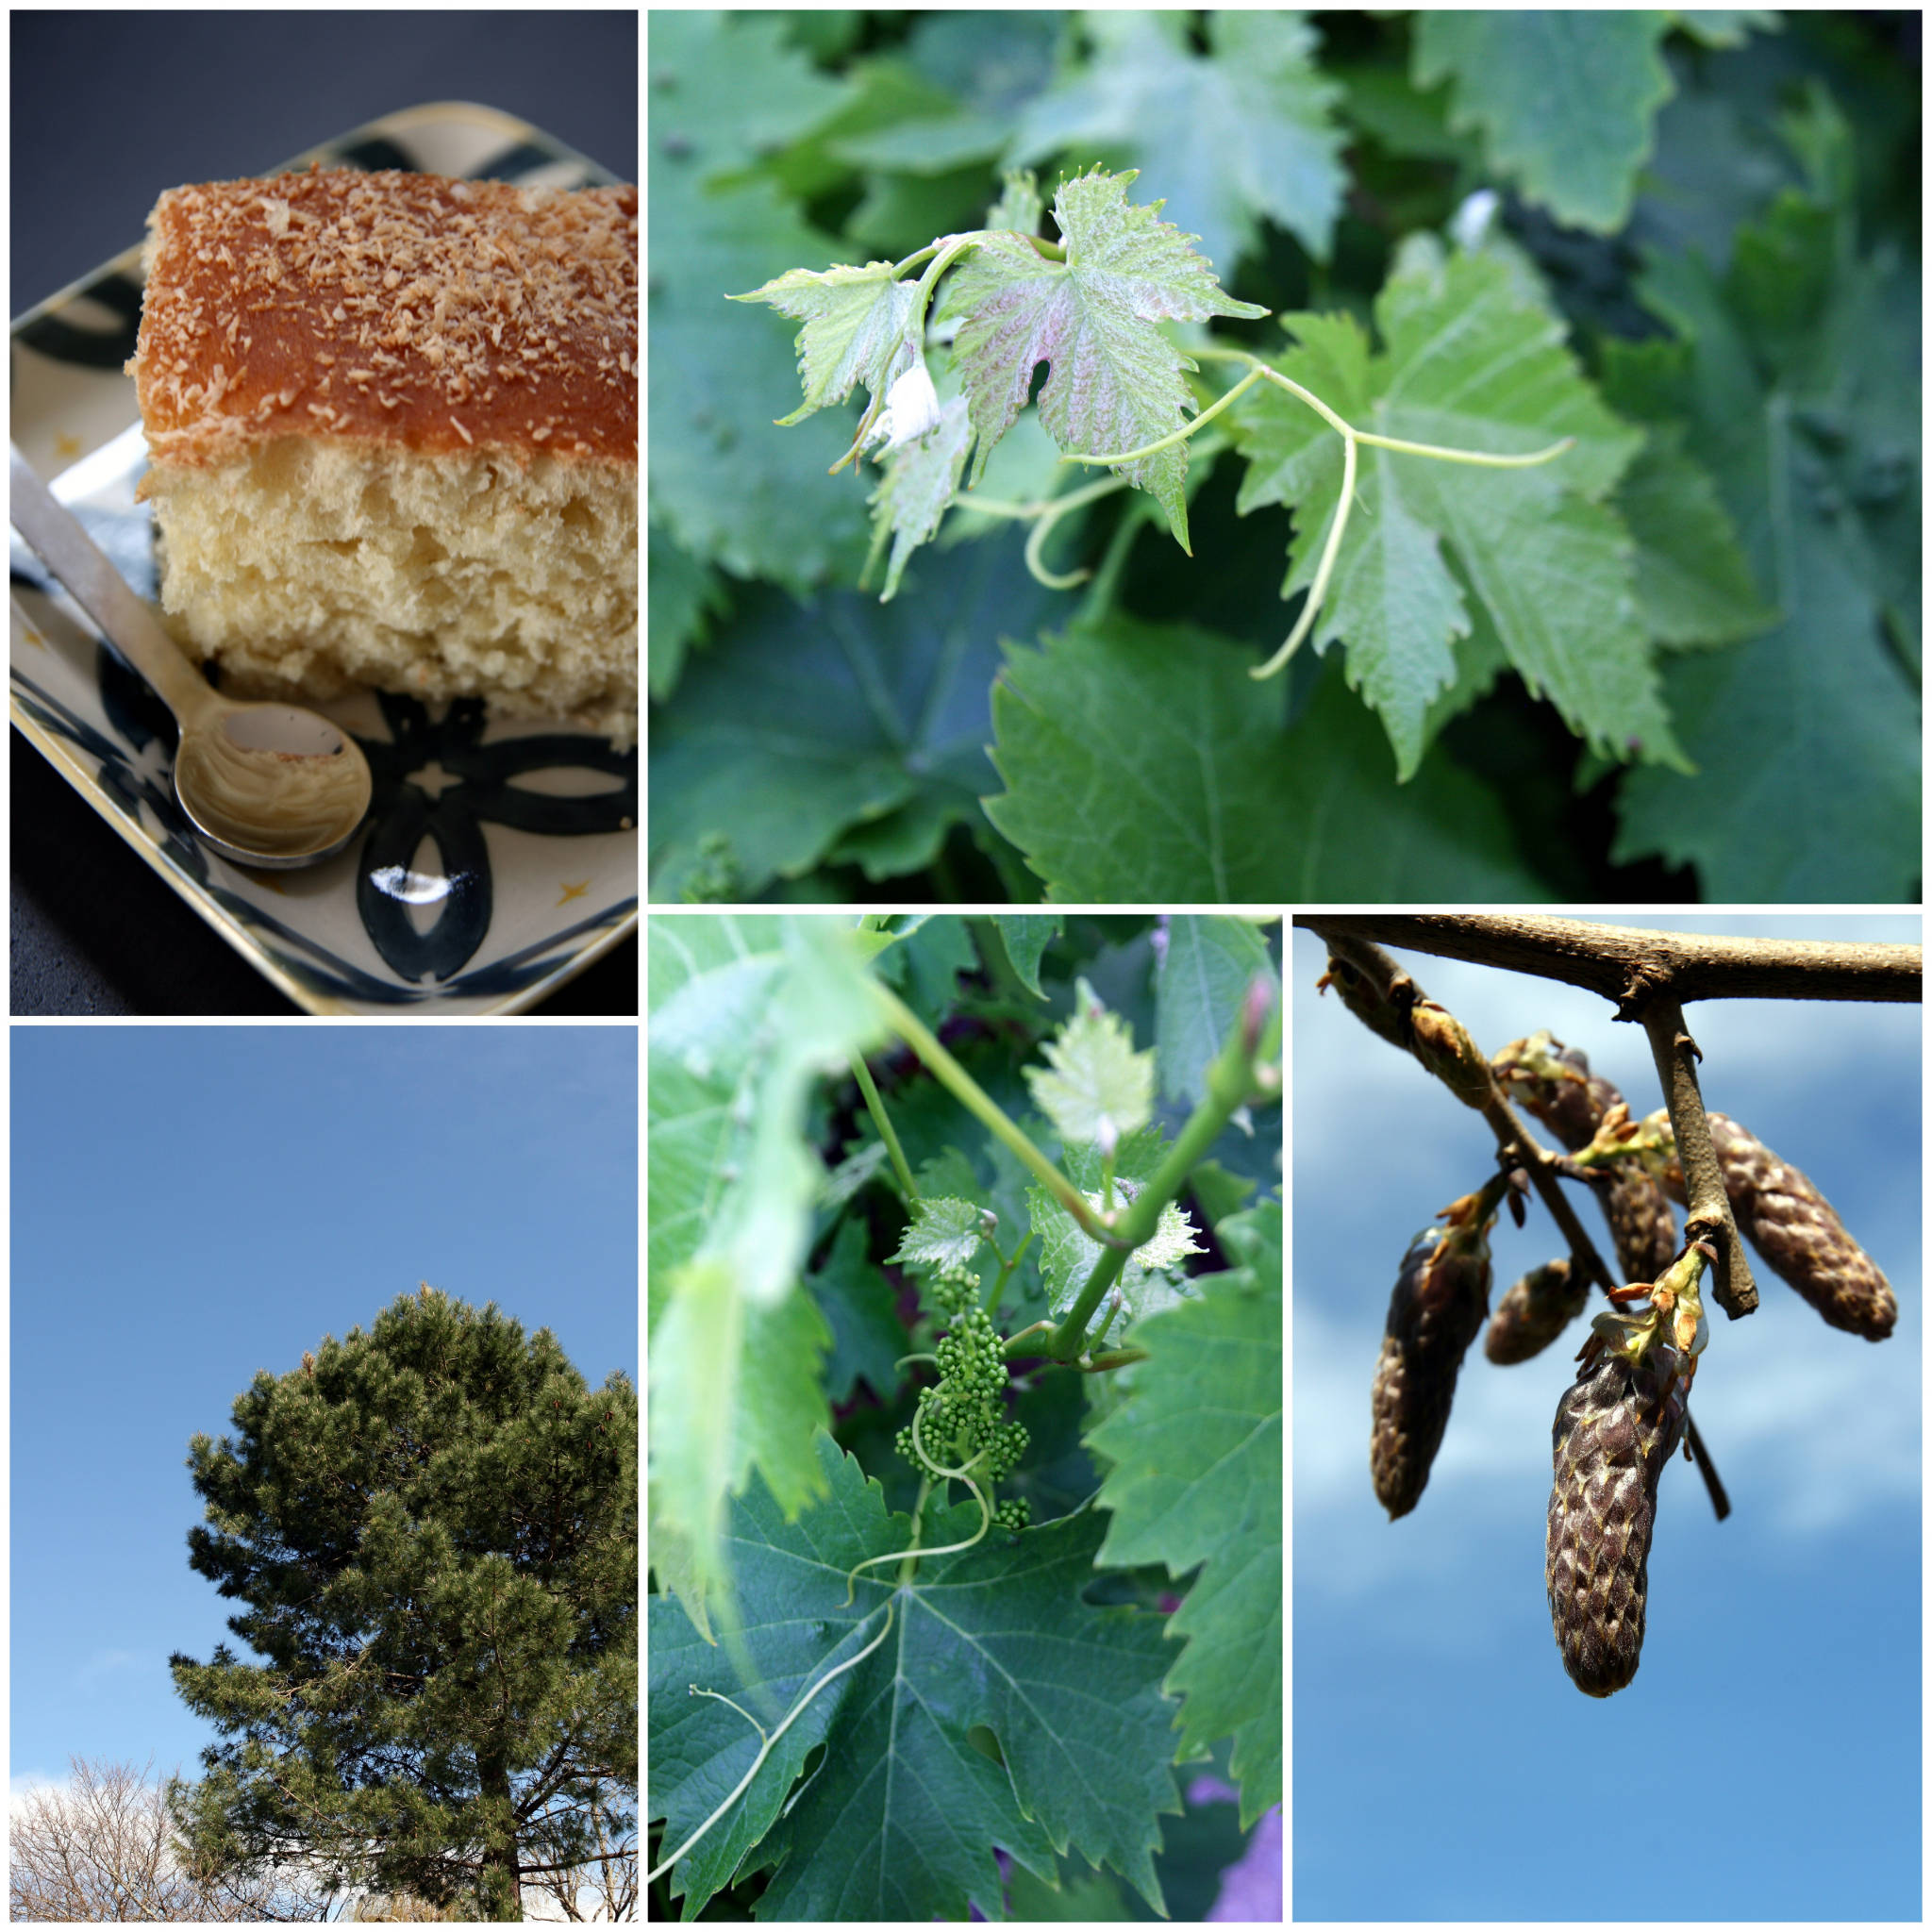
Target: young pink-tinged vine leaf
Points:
(855, 329)
(1094, 1085)
(1195, 1444)
(899, 1822)
(1471, 362)
(1115, 381)
(919, 483)
(945, 1233)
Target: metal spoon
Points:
(266, 784)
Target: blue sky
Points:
(191, 1205)
(1765, 1764)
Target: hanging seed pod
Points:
(1617, 1427)
(1440, 1298)
(1795, 1228)
(1537, 1309)
(1552, 1084)
(1555, 1086)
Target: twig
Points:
(1632, 966)
(1675, 1053)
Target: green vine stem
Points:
(1231, 1083)
(1259, 371)
(883, 1122)
(987, 1110)
(1108, 1360)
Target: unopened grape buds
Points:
(1795, 1227)
(1537, 1309)
(1441, 1297)
(1617, 1427)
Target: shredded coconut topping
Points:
(505, 301)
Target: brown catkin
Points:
(1636, 1207)
(1617, 1427)
(1795, 1227)
(1535, 1311)
(1440, 1298)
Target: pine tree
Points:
(436, 1535)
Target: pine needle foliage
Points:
(434, 1530)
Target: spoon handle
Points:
(56, 536)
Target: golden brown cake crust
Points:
(408, 309)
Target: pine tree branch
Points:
(1632, 966)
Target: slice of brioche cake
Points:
(394, 428)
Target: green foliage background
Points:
(1719, 209)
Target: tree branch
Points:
(1633, 967)
(1709, 1204)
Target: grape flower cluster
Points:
(961, 1424)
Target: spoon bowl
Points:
(266, 784)
(272, 785)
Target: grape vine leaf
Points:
(855, 321)
(1094, 1084)
(1565, 101)
(1196, 1448)
(1151, 1277)
(744, 1014)
(1471, 362)
(1026, 936)
(1020, 206)
(802, 725)
(1794, 372)
(1115, 381)
(900, 1820)
(724, 87)
(988, 66)
(944, 1233)
(1203, 972)
(930, 950)
(917, 490)
(1694, 586)
(1726, 27)
(861, 1311)
(1244, 130)
(685, 597)
(1141, 762)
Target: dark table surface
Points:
(107, 108)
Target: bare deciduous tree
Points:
(103, 1848)
(604, 1885)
